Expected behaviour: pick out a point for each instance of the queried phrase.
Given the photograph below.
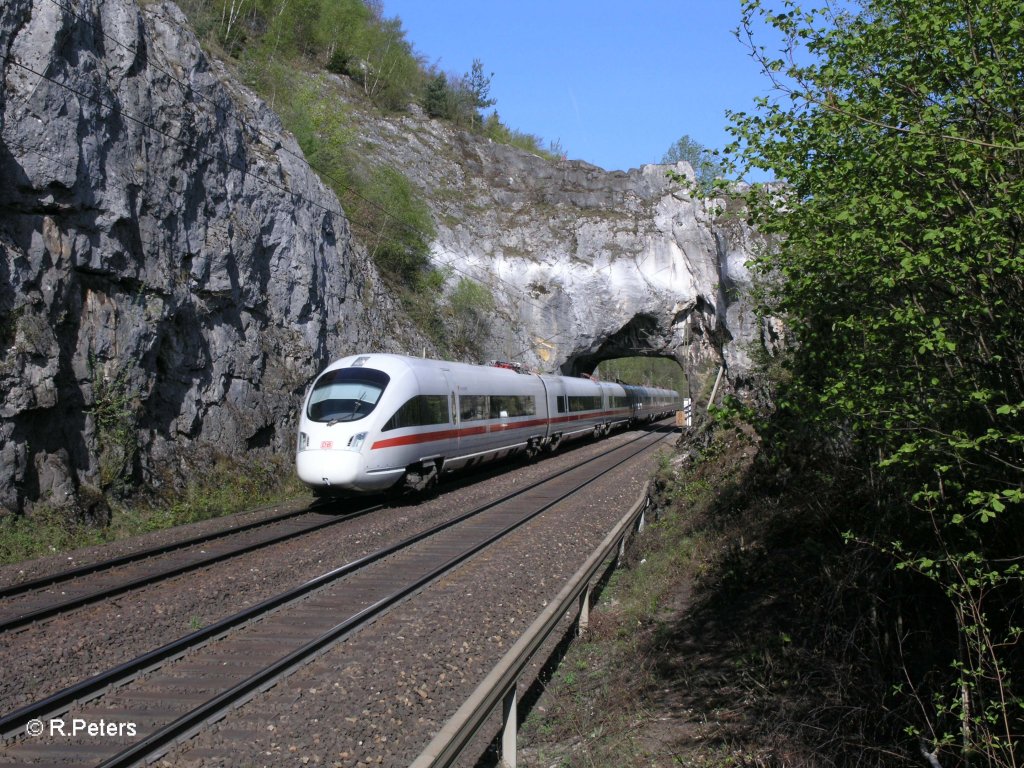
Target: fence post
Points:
(510, 727)
(500, 683)
(714, 389)
(583, 622)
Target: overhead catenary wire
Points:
(242, 169)
(255, 130)
(236, 116)
(114, 109)
(150, 245)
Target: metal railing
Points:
(501, 683)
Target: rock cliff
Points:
(171, 271)
(585, 264)
(172, 274)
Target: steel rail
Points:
(84, 570)
(126, 586)
(156, 744)
(446, 746)
(61, 701)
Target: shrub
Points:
(899, 232)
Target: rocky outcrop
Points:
(585, 264)
(172, 274)
(171, 271)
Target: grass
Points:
(602, 706)
(228, 486)
(45, 532)
(743, 630)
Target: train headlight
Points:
(356, 443)
(303, 441)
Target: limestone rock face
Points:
(171, 271)
(585, 264)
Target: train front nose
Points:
(326, 468)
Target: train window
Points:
(476, 407)
(584, 403)
(420, 411)
(473, 407)
(346, 394)
(503, 406)
(562, 407)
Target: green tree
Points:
(471, 306)
(396, 224)
(897, 127)
(478, 87)
(391, 74)
(344, 35)
(704, 161)
(460, 98)
(437, 97)
(291, 26)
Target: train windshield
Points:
(346, 394)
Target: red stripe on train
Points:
(448, 434)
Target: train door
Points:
(556, 410)
(453, 408)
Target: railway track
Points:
(172, 692)
(48, 596)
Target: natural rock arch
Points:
(583, 262)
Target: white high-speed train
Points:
(370, 422)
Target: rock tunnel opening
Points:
(647, 371)
(641, 352)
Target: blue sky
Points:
(616, 83)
